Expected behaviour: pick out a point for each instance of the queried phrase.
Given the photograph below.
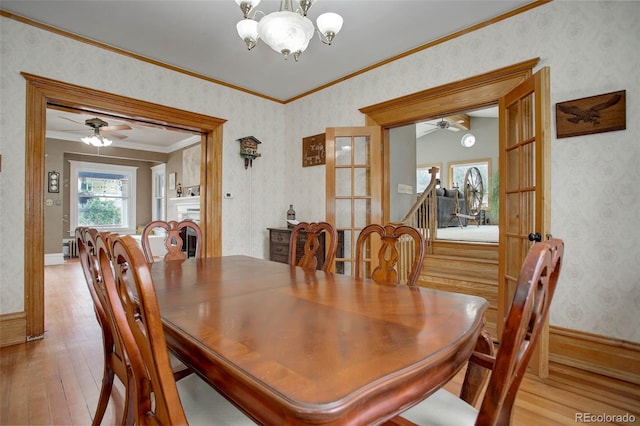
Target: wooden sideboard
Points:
(279, 246)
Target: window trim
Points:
(76, 167)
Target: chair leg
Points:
(105, 393)
(476, 376)
(128, 416)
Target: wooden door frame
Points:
(42, 92)
(473, 93)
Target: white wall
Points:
(591, 48)
(402, 161)
(258, 192)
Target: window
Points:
(102, 196)
(423, 177)
(458, 170)
(159, 207)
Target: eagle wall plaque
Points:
(595, 114)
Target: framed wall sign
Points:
(172, 180)
(313, 150)
(595, 114)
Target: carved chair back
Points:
(173, 241)
(312, 232)
(390, 235)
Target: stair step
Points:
(463, 267)
(465, 249)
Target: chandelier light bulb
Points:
(329, 24)
(248, 31)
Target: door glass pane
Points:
(362, 212)
(361, 154)
(343, 182)
(512, 181)
(528, 165)
(348, 244)
(528, 120)
(512, 125)
(361, 184)
(343, 213)
(512, 205)
(343, 150)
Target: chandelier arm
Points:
(324, 39)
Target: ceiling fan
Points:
(452, 123)
(100, 126)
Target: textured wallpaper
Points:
(258, 194)
(591, 48)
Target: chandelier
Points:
(287, 32)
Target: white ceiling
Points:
(67, 125)
(199, 36)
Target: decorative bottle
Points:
(291, 215)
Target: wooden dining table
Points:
(288, 346)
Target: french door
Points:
(524, 190)
(353, 186)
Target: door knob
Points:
(535, 236)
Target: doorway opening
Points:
(42, 92)
(467, 197)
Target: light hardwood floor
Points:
(57, 380)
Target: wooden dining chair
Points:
(526, 317)
(157, 397)
(115, 363)
(386, 271)
(173, 241)
(312, 232)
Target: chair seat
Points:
(204, 406)
(442, 409)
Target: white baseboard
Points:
(53, 259)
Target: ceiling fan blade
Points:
(113, 134)
(72, 120)
(116, 127)
(460, 121)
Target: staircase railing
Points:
(422, 216)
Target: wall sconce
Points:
(249, 150)
(54, 182)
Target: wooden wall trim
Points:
(472, 93)
(43, 92)
(13, 328)
(603, 355)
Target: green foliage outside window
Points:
(99, 212)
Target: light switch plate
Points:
(405, 189)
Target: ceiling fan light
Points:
(329, 24)
(248, 31)
(286, 32)
(96, 140)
